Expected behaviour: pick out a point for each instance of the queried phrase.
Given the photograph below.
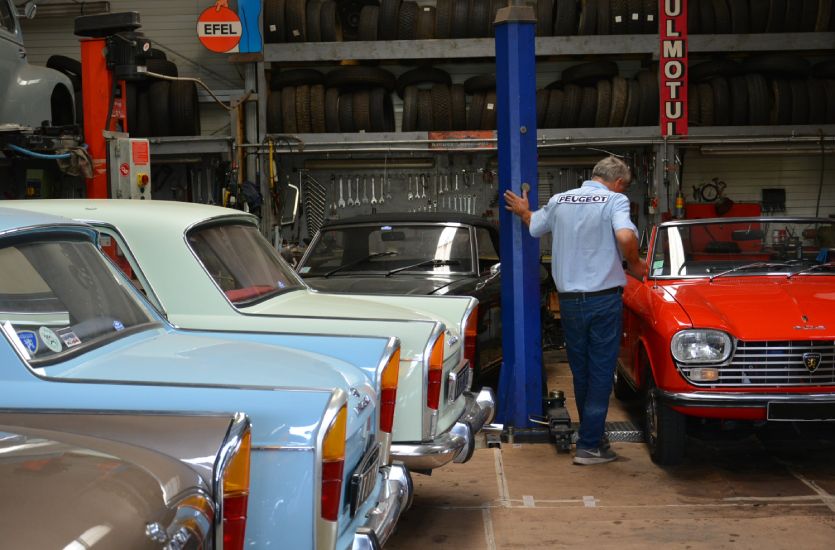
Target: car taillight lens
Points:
(470, 332)
(388, 397)
(436, 374)
(333, 463)
(236, 495)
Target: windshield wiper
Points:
(433, 263)
(811, 268)
(359, 261)
(748, 266)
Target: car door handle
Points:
(22, 53)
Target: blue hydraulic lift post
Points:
(520, 385)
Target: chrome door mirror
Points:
(30, 9)
(495, 269)
(289, 204)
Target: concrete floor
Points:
(738, 493)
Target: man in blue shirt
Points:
(592, 234)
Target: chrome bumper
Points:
(456, 445)
(739, 400)
(395, 498)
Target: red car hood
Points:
(761, 308)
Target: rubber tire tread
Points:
(739, 100)
(571, 105)
(650, 21)
(478, 25)
(377, 108)
(781, 64)
(422, 75)
(332, 110)
(294, 21)
(329, 22)
(388, 17)
(673, 425)
(541, 107)
(758, 15)
(694, 17)
(587, 24)
(707, 17)
(808, 15)
(488, 115)
(288, 110)
(589, 73)
(721, 101)
(604, 19)
(443, 19)
(829, 86)
(794, 12)
(781, 105)
(825, 20)
(544, 17)
(424, 112)
(274, 16)
(588, 107)
(776, 15)
(495, 6)
(295, 77)
(346, 113)
(617, 8)
(162, 66)
(705, 95)
(357, 76)
(553, 117)
(633, 8)
(317, 109)
(707, 70)
(460, 15)
(425, 27)
(694, 117)
(480, 83)
(143, 113)
(740, 19)
(565, 19)
(303, 117)
(722, 17)
(158, 108)
(441, 108)
(800, 102)
(369, 23)
(824, 69)
(604, 103)
(362, 110)
(759, 100)
(410, 109)
(633, 101)
(312, 18)
(274, 112)
(817, 100)
(475, 110)
(648, 111)
(458, 99)
(620, 91)
(184, 108)
(407, 21)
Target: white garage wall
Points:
(171, 24)
(746, 176)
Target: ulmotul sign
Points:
(673, 67)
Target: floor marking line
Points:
(589, 502)
(504, 494)
(773, 499)
(816, 503)
(489, 537)
(828, 499)
(528, 501)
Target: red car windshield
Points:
(755, 247)
(242, 262)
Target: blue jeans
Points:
(592, 328)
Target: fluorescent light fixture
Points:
(759, 149)
(64, 9)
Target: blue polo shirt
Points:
(585, 254)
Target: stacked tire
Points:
(594, 95)
(768, 89)
(759, 16)
(346, 100)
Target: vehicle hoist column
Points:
(520, 385)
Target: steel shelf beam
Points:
(190, 145)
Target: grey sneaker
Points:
(594, 456)
(604, 441)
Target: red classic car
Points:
(735, 321)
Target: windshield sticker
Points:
(30, 340)
(70, 339)
(118, 326)
(583, 199)
(9, 330)
(305, 269)
(281, 284)
(50, 339)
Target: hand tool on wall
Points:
(350, 199)
(409, 196)
(341, 203)
(364, 190)
(373, 194)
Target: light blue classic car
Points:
(206, 267)
(78, 335)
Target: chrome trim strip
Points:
(325, 534)
(282, 448)
(237, 429)
(395, 498)
(65, 225)
(756, 219)
(429, 422)
(384, 440)
(739, 400)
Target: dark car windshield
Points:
(755, 247)
(242, 262)
(384, 248)
(61, 296)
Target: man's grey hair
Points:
(610, 169)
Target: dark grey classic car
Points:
(79, 481)
(419, 253)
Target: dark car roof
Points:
(413, 217)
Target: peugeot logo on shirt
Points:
(583, 199)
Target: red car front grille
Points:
(780, 363)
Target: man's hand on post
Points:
(221, 4)
(518, 205)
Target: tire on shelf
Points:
(553, 116)
(694, 17)
(740, 17)
(794, 13)
(781, 102)
(544, 17)
(332, 110)
(650, 23)
(694, 117)
(665, 428)
(346, 113)
(274, 112)
(620, 92)
(357, 76)
(587, 24)
(303, 119)
(648, 109)
(589, 73)
(382, 115)
(422, 75)
(480, 83)
(758, 15)
(707, 70)
(425, 28)
(829, 86)
(407, 21)
(488, 115)
(184, 108)
(274, 21)
(541, 107)
(633, 102)
(460, 17)
(776, 16)
(721, 101)
(441, 108)
(362, 110)
(294, 21)
(475, 110)
(604, 19)
(410, 109)
(800, 101)
(295, 77)
(707, 17)
(588, 107)
(288, 109)
(739, 100)
(571, 105)
(424, 112)
(817, 100)
(809, 15)
(388, 18)
(634, 16)
(458, 98)
(565, 18)
(722, 17)
(617, 16)
(825, 21)
(604, 103)
(158, 108)
(313, 20)
(443, 19)
(369, 23)
(478, 25)
(824, 69)
(759, 100)
(329, 22)
(783, 64)
(705, 95)
(318, 124)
